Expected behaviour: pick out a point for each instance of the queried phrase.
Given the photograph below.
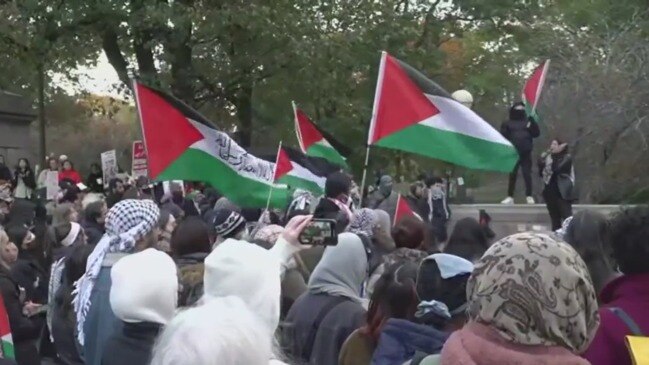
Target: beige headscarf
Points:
(535, 290)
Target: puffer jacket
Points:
(191, 269)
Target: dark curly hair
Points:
(630, 239)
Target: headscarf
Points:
(269, 234)
(534, 290)
(302, 200)
(364, 221)
(126, 223)
(342, 269)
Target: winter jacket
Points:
(561, 173)
(191, 269)
(24, 331)
(72, 175)
(400, 255)
(5, 173)
(629, 293)
(93, 182)
(63, 329)
(400, 339)
(317, 326)
(30, 275)
(521, 134)
(133, 345)
(478, 344)
(100, 322)
(94, 231)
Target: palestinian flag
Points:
(182, 145)
(311, 140)
(412, 113)
(403, 210)
(533, 88)
(5, 334)
(299, 171)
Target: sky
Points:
(99, 79)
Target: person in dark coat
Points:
(190, 245)
(321, 319)
(28, 271)
(337, 191)
(559, 180)
(93, 221)
(25, 331)
(95, 181)
(24, 180)
(145, 301)
(520, 131)
(115, 192)
(186, 204)
(5, 172)
(63, 318)
(468, 240)
(439, 211)
(624, 300)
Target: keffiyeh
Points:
(126, 223)
(364, 221)
(534, 290)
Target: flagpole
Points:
(367, 160)
(272, 186)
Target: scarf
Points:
(126, 223)
(342, 269)
(534, 290)
(364, 221)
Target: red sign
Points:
(139, 165)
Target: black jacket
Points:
(24, 331)
(93, 184)
(521, 134)
(63, 329)
(5, 173)
(27, 176)
(30, 275)
(132, 346)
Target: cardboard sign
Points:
(139, 165)
(109, 166)
(51, 184)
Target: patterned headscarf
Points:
(535, 290)
(364, 221)
(126, 223)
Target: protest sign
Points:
(109, 166)
(139, 163)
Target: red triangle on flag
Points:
(307, 133)
(167, 131)
(283, 164)
(403, 210)
(534, 85)
(398, 102)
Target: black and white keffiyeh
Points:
(126, 223)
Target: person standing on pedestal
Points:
(520, 131)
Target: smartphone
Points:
(319, 232)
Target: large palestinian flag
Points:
(533, 88)
(298, 171)
(5, 334)
(182, 145)
(412, 113)
(311, 140)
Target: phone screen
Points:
(320, 232)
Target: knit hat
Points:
(144, 287)
(247, 271)
(227, 222)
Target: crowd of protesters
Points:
(143, 274)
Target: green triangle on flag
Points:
(412, 113)
(311, 140)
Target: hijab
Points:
(534, 289)
(342, 269)
(364, 221)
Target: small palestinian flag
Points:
(182, 145)
(5, 334)
(533, 88)
(403, 210)
(412, 113)
(299, 171)
(311, 140)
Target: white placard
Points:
(51, 184)
(109, 166)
